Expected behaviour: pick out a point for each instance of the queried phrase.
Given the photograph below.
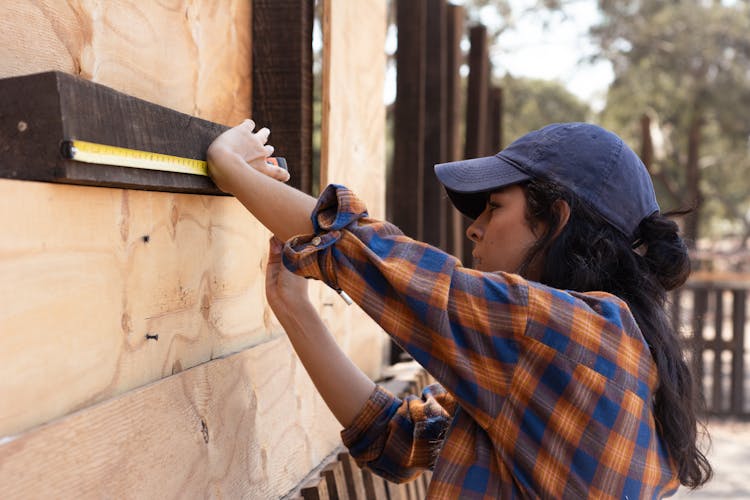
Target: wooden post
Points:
(476, 98)
(496, 120)
(406, 176)
(739, 318)
(406, 182)
(700, 306)
(476, 108)
(283, 81)
(718, 348)
(455, 28)
(435, 124)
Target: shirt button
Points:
(315, 241)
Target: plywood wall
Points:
(92, 402)
(353, 131)
(247, 426)
(189, 55)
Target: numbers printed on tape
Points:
(91, 152)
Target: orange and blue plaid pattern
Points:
(543, 392)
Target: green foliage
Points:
(531, 104)
(680, 61)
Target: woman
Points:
(559, 374)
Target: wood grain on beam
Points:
(40, 111)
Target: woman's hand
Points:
(238, 148)
(344, 387)
(286, 292)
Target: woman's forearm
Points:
(284, 210)
(343, 386)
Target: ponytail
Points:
(666, 254)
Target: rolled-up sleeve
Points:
(462, 325)
(397, 439)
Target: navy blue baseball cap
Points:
(592, 162)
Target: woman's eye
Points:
(492, 205)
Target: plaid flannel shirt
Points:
(543, 392)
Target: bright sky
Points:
(551, 52)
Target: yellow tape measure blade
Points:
(91, 152)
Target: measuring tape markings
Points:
(103, 154)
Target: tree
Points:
(685, 63)
(531, 104)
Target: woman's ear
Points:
(562, 209)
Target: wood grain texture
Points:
(237, 427)
(353, 121)
(189, 55)
(89, 273)
(353, 141)
(40, 111)
(105, 290)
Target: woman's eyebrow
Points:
(498, 192)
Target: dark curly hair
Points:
(590, 254)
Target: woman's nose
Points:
(474, 231)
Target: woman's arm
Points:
(236, 163)
(343, 386)
(396, 438)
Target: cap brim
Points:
(468, 181)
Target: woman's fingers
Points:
(269, 169)
(263, 134)
(274, 249)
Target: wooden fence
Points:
(712, 316)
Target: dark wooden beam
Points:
(40, 111)
(476, 144)
(454, 60)
(435, 124)
(476, 97)
(739, 323)
(495, 120)
(406, 181)
(283, 81)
